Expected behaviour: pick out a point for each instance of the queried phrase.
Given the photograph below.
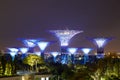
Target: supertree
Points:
(86, 52)
(64, 37)
(72, 52)
(54, 54)
(30, 43)
(13, 52)
(24, 51)
(100, 42)
(42, 45)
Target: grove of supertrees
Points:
(68, 63)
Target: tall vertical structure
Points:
(42, 45)
(54, 54)
(72, 51)
(13, 52)
(64, 37)
(86, 52)
(100, 43)
(24, 51)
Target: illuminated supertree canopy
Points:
(86, 50)
(72, 50)
(54, 54)
(65, 35)
(30, 42)
(13, 52)
(24, 50)
(42, 45)
(101, 42)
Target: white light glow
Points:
(13, 52)
(72, 50)
(42, 78)
(54, 54)
(86, 50)
(100, 41)
(38, 53)
(30, 42)
(65, 35)
(13, 49)
(47, 78)
(42, 45)
(23, 50)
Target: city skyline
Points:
(32, 19)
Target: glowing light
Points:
(54, 54)
(47, 78)
(23, 50)
(30, 42)
(72, 50)
(42, 78)
(13, 49)
(100, 41)
(42, 45)
(65, 35)
(38, 53)
(86, 50)
(13, 52)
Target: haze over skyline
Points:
(33, 19)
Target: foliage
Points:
(33, 59)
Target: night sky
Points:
(33, 19)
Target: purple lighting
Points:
(101, 42)
(30, 42)
(65, 35)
